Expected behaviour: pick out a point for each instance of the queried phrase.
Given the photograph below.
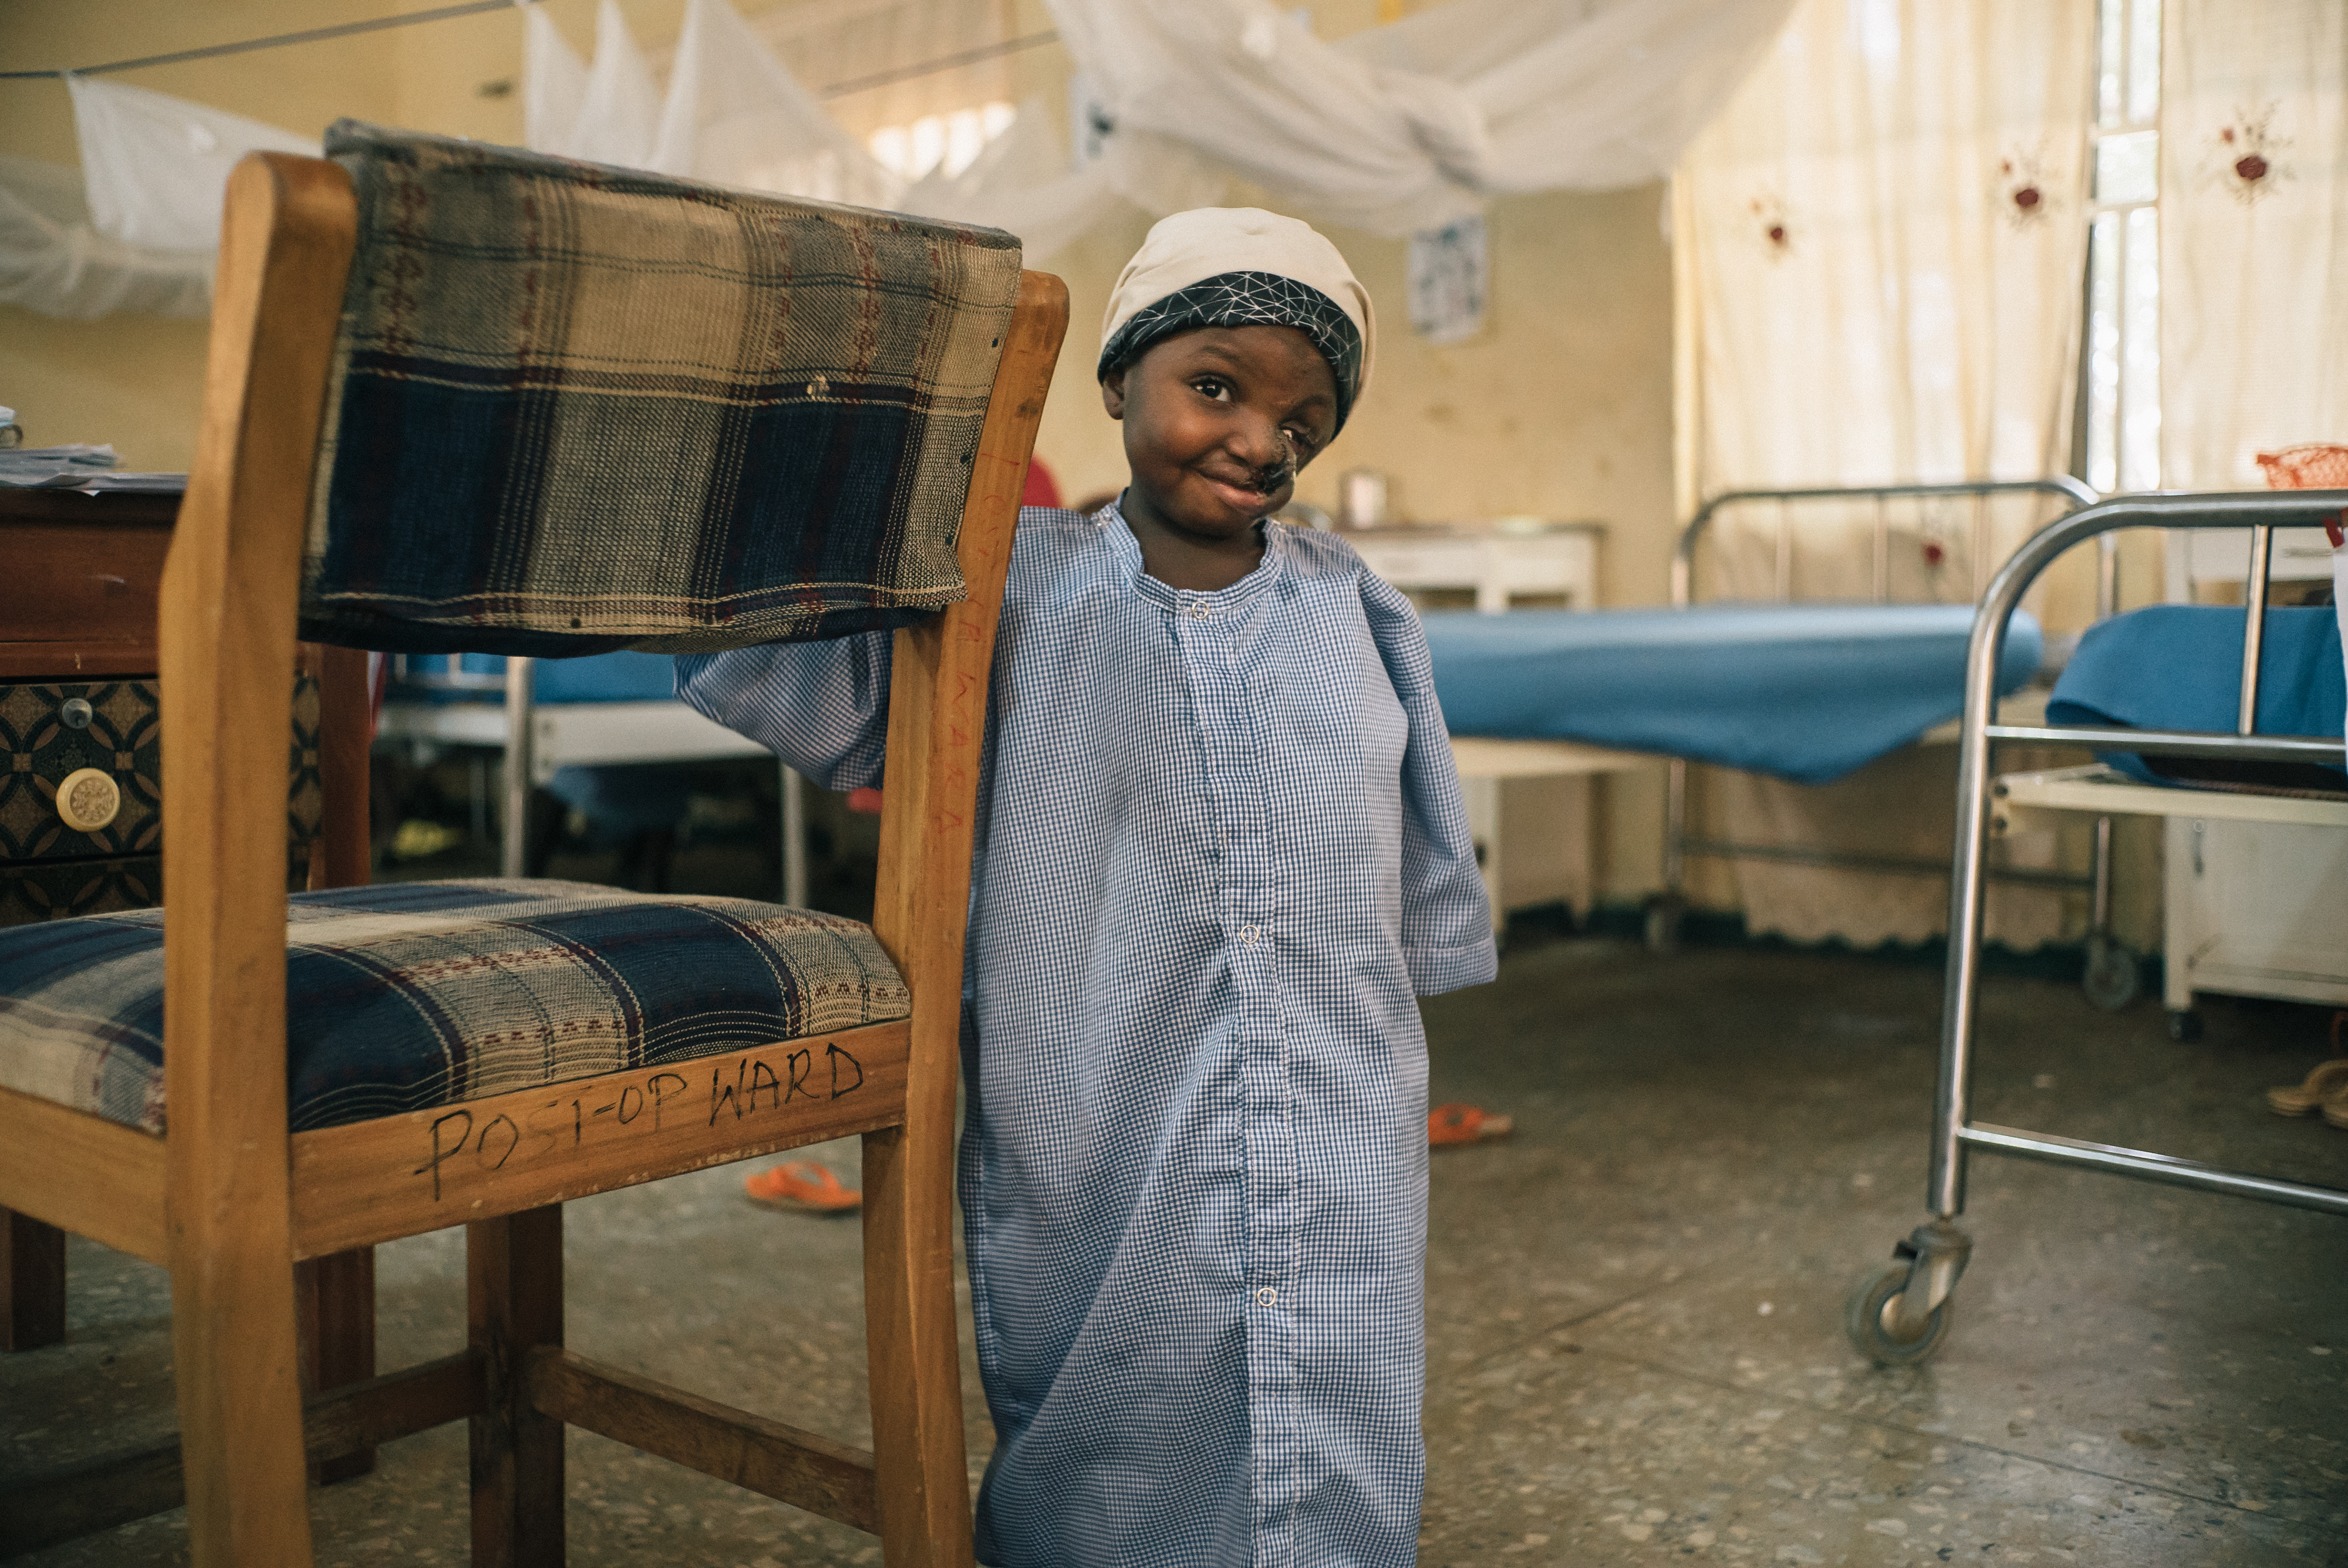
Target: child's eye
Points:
(1211, 386)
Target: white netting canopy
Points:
(136, 228)
(1396, 129)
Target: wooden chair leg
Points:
(920, 1462)
(515, 1305)
(235, 1362)
(32, 1282)
(337, 1307)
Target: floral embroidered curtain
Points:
(2254, 235)
(1879, 246)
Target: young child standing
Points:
(1219, 846)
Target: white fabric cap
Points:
(1190, 247)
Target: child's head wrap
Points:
(1236, 267)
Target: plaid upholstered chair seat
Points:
(411, 995)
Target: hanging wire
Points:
(313, 35)
(473, 7)
(943, 63)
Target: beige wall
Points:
(1560, 408)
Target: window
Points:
(2120, 361)
(947, 143)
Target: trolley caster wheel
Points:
(1868, 1319)
(1663, 916)
(2184, 1025)
(2113, 974)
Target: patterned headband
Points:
(1249, 299)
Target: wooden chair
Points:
(231, 1202)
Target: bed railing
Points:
(1898, 1314)
(2076, 491)
(520, 684)
(2261, 514)
(1665, 912)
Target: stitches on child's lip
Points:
(1240, 495)
(1264, 481)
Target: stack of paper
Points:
(76, 467)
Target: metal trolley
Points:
(1899, 1314)
(2112, 970)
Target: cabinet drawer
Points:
(53, 889)
(49, 732)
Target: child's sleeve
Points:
(1446, 924)
(821, 707)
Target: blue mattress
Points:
(617, 800)
(596, 678)
(1807, 692)
(2179, 666)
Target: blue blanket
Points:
(2179, 666)
(597, 678)
(1807, 693)
(618, 800)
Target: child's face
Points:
(1216, 423)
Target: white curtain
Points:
(54, 260)
(2254, 235)
(606, 113)
(1879, 244)
(735, 115)
(1394, 130)
(154, 165)
(1021, 182)
(1409, 125)
(553, 83)
(136, 228)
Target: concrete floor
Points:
(1634, 1306)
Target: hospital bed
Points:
(1531, 805)
(1899, 1314)
(1806, 691)
(540, 716)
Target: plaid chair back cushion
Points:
(576, 409)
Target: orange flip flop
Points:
(802, 1186)
(1466, 1124)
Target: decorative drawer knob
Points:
(88, 800)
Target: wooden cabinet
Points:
(2256, 895)
(1492, 571)
(80, 576)
(79, 579)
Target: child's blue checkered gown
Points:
(1220, 843)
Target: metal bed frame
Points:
(519, 744)
(1899, 1314)
(2112, 971)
